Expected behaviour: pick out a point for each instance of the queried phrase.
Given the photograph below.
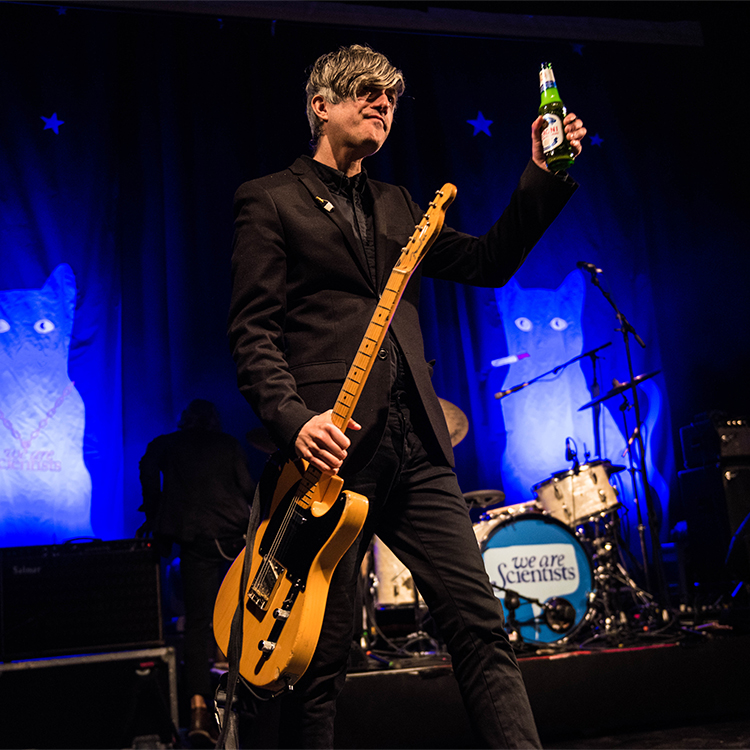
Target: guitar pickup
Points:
(265, 583)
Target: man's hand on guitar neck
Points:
(323, 444)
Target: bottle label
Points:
(553, 135)
(546, 79)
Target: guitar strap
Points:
(229, 717)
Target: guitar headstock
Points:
(427, 230)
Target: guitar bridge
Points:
(264, 583)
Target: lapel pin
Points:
(324, 204)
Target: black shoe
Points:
(203, 731)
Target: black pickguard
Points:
(303, 536)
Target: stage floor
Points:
(732, 733)
(686, 690)
(690, 692)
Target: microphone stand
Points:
(553, 371)
(626, 328)
(597, 410)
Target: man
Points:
(196, 493)
(313, 247)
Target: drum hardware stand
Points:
(512, 602)
(632, 471)
(626, 328)
(611, 576)
(371, 630)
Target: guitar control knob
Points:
(266, 647)
(281, 614)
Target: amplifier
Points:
(713, 438)
(78, 598)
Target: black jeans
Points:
(418, 510)
(203, 565)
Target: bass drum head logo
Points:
(540, 560)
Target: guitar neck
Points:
(411, 255)
(360, 369)
(368, 349)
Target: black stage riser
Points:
(96, 701)
(571, 694)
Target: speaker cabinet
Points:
(78, 598)
(715, 500)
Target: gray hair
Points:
(344, 74)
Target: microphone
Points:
(590, 267)
(570, 451)
(571, 454)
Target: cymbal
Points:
(457, 421)
(261, 440)
(483, 498)
(620, 388)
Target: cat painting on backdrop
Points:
(546, 325)
(45, 487)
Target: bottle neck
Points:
(550, 94)
(547, 86)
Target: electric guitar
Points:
(312, 521)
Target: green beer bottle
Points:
(557, 151)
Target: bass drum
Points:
(541, 568)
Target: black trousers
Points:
(203, 565)
(418, 510)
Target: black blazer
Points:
(302, 295)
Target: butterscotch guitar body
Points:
(295, 553)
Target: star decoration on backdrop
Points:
(481, 124)
(52, 123)
(578, 49)
(596, 140)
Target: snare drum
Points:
(393, 585)
(540, 559)
(577, 496)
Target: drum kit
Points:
(555, 562)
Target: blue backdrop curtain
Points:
(125, 134)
